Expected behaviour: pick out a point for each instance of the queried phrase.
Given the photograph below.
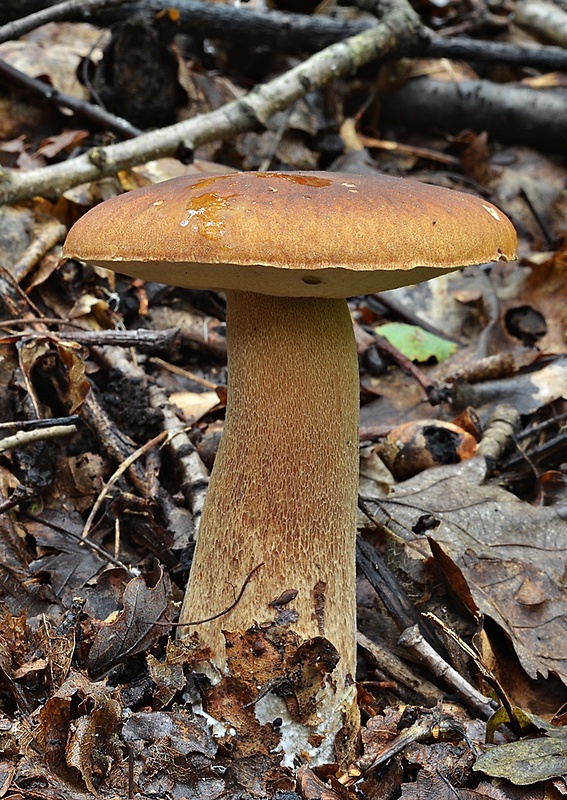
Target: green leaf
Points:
(415, 343)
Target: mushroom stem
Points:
(284, 485)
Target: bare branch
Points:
(17, 28)
(244, 114)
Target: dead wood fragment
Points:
(430, 726)
(435, 393)
(207, 333)
(390, 591)
(19, 494)
(47, 234)
(89, 543)
(303, 33)
(487, 52)
(159, 439)
(508, 112)
(412, 639)
(194, 476)
(57, 11)
(38, 424)
(116, 445)
(285, 32)
(392, 665)
(503, 425)
(41, 435)
(398, 32)
(50, 94)
(400, 25)
(529, 458)
(544, 19)
(143, 339)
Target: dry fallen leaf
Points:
(512, 554)
(136, 627)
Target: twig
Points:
(392, 665)
(143, 339)
(486, 673)
(399, 26)
(18, 322)
(46, 236)
(83, 542)
(185, 373)
(220, 613)
(208, 333)
(413, 641)
(302, 33)
(61, 11)
(117, 475)
(37, 424)
(19, 494)
(372, 564)
(537, 454)
(436, 394)
(29, 437)
(465, 49)
(385, 299)
(51, 95)
(278, 136)
(116, 444)
(193, 473)
(425, 729)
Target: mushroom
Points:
(288, 248)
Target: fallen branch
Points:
(413, 641)
(23, 438)
(399, 27)
(465, 49)
(544, 19)
(303, 33)
(144, 340)
(61, 11)
(508, 112)
(49, 94)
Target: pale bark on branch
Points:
(398, 28)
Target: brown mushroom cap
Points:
(292, 234)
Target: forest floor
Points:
(114, 391)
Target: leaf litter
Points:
(96, 695)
